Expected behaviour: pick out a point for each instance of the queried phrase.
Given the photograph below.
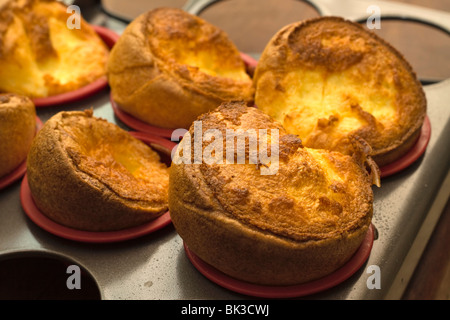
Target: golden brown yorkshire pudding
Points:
(41, 56)
(89, 174)
(301, 222)
(328, 80)
(169, 66)
(17, 130)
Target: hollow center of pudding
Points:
(210, 62)
(80, 55)
(339, 98)
(198, 46)
(112, 156)
(44, 57)
(340, 83)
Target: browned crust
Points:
(17, 129)
(296, 46)
(251, 228)
(158, 89)
(75, 198)
(247, 253)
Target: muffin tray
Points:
(156, 265)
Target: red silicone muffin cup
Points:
(293, 291)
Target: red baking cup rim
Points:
(150, 139)
(45, 223)
(250, 63)
(293, 291)
(109, 37)
(249, 60)
(412, 155)
(21, 169)
(137, 124)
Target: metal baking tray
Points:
(155, 266)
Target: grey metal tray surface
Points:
(155, 266)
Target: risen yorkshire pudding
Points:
(17, 129)
(300, 222)
(328, 80)
(41, 56)
(169, 66)
(89, 174)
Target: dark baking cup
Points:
(293, 291)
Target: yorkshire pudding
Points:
(297, 223)
(329, 80)
(89, 174)
(169, 66)
(17, 130)
(41, 56)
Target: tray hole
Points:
(129, 10)
(42, 276)
(425, 47)
(251, 24)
